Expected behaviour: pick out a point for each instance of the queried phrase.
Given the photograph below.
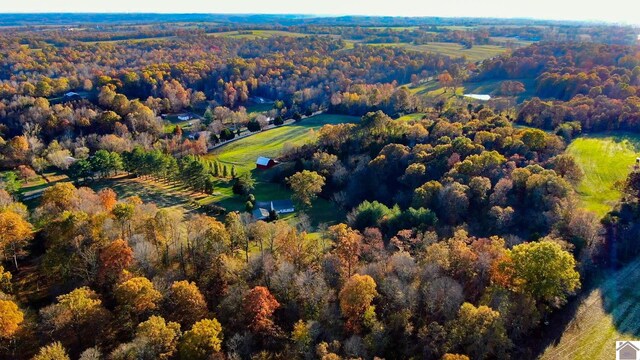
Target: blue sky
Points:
(623, 11)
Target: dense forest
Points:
(461, 232)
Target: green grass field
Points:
(610, 311)
(606, 314)
(604, 159)
(476, 53)
(411, 117)
(243, 153)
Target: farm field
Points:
(256, 34)
(476, 53)
(394, 28)
(606, 314)
(604, 159)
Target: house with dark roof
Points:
(265, 163)
(263, 208)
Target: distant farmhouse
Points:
(265, 163)
(263, 208)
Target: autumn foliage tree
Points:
(160, 337)
(540, 269)
(114, 258)
(108, 198)
(479, 332)
(137, 296)
(77, 317)
(348, 245)
(185, 304)
(53, 351)
(355, 300)
(15, 233)
(10, 319)
(306, 186)
(445, 79)
(259, 305)
(204, 339)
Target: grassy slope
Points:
(243, 154)
(604, 160)
(609, 312)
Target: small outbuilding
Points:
(265, 163)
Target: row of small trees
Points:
(194, 172)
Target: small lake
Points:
(479, 96)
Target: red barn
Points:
(265, 163)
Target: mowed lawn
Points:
(604, 159)
(606, 314)
(243, 153)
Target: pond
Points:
(478, 96)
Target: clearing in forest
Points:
(243, 154)
(610, 311)
(605, 159)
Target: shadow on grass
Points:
(557, 324)
(619, 295)
(624, 137)
(620, 298)
(149, 194)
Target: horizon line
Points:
(591, 21)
